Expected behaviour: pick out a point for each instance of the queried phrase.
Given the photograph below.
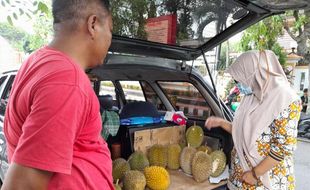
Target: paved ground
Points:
(302, 165)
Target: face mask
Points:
(244, 89)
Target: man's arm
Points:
(24, 178)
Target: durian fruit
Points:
(205, 148)
(157, 155)
(157, 178)
(138, 161)
(120, 166)
(194, 136)
(116, 185)
(174, 151)
(218, 163)
(186, 159)
(134, 180)
(183, 143)
(201, 166)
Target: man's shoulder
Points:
(51, 67)
(57, 59)
(50, 63)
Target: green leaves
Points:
(3, 4)
(19, 8)
(15, 16)
(264, 35)
(15, 36)
(43, 8)
(21, 11)
(129, 17)
(39, 11)
(9, 19)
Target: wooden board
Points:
(144, 139)
(181, 181)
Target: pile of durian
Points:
(141, 171)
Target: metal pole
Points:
(210, 75)
(213, 85)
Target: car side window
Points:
(133, 91)
(151, 96)
(3, 97)
(2, 84)
(185, 97)
(107, 88)
(7, 91)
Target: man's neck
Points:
(71, 48)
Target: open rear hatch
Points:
(183, 29)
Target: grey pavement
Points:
(302, 165)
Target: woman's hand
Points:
(248, 178)
(212, 122)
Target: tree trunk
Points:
(302, 40)
(307, 53)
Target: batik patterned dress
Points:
(278, 141)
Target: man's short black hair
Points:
(73, 10)
(305, 90)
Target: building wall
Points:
(287, 42)
(301, 80)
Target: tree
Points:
(43, 31)
(264, 35)
(16, 9)
(139, 10)
(129, 17)
(15, 36)
(225, 59)
(299, 30)
(21, 40)
(206, 12)
(183, 9)
(152, 10)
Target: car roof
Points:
(10, 72)
(244, 13)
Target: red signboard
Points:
(162, 29)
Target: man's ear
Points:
(91, 25)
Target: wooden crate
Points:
(181, 181)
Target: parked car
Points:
(304, 126)
(6, 80)
(141, 70)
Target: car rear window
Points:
(185, 97)
(181, 23)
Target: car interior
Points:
(161, 85)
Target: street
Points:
(302, 165)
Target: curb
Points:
(303, 140)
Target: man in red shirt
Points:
(52, 122)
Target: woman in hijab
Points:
(264, 128)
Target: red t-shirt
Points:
(53, 123)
